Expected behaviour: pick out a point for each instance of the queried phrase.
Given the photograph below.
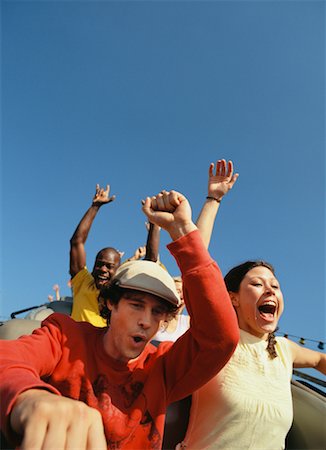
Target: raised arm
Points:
(213, 334)
(77, 242)
(153, 242)
(219, 184)
(139, 254)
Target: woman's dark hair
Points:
(233, 280)
(234, 277)
(114, 293)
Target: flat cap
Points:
(147, 276)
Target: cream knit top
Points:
(248, 405)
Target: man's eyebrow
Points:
(105, 262)
(134, 297)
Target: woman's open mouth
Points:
(267, 310)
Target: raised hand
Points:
(220, 182)
(56, 289)
(171, 211)
(140, 252)
(102, 196)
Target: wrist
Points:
(181, 229)
(212, 198)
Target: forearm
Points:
(321, 366)
(153, 243)
(206, 220)
(82, 230)
(204, 287)
(201, 352)
(180, 229)
(21, 366)
(305, 357)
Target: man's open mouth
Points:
(102, 279)
(137, 339)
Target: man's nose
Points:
(145, 319)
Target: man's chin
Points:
(100, 283)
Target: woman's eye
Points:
(257, 284)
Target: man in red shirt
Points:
(74, 386)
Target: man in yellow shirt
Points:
(86, 285)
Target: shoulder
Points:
(82, 274)
(66, 324)
(163, 347)
(83, 277)
(284, 349)
(283, 342)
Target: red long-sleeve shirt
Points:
(68, 358)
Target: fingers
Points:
(96, 437)
(223, 169)
(63, 426)
(34, 435)
(233, 180)
(166, 201)
(163, 202)
(56, 435)
(220, 168)
(147, 207)
(87, 433)
(176, 198)
(211, 170)
(102, 195)
(230, 169)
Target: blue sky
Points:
(143, 95)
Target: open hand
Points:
(102, 196)
(220, 182)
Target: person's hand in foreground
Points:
(49, 421)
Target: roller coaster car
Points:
(308, 431)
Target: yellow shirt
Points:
(85, 303)
(248, 405)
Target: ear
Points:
(109, 305)
(234, 299)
